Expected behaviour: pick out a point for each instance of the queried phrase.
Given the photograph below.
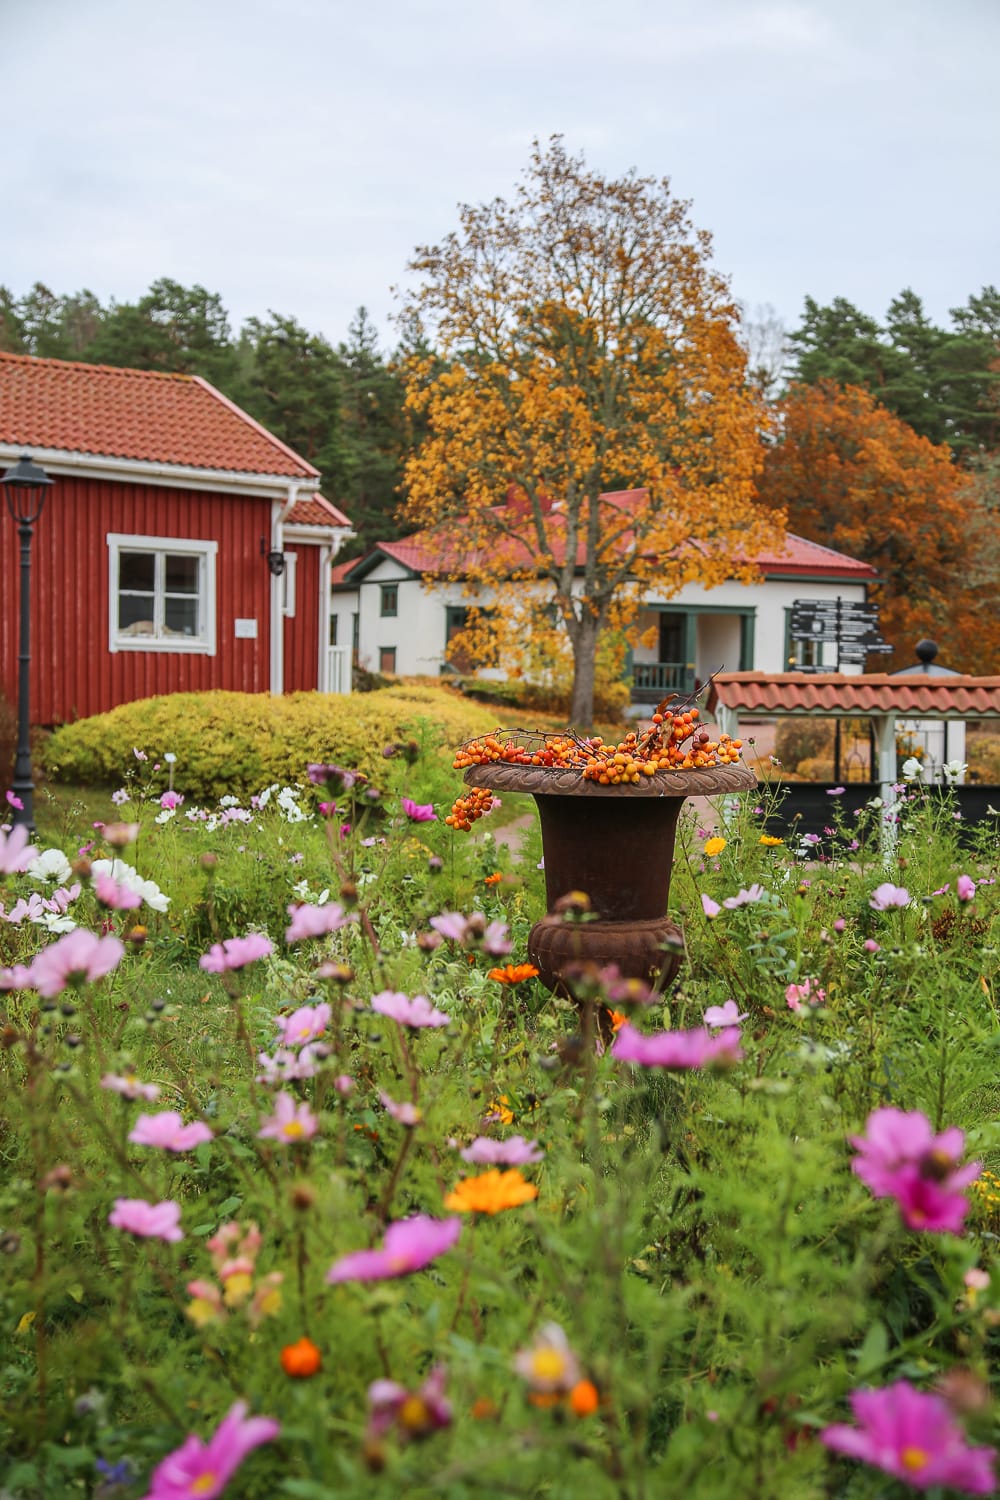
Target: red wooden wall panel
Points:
(73, 673)
(302, 631)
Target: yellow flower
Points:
(714, 846)
(770, 840)
(501, 1108)
(491, 1192)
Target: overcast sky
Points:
(290, 154)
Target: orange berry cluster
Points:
(674, 741)
(469, 808)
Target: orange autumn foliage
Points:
(851, 475)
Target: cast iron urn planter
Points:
(616, 844)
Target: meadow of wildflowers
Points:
(309, 1189)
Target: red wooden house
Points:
(149, 570)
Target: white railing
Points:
(338, 669)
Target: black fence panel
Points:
(807, 807)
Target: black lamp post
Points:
(24, 487)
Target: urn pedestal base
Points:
(648, 949)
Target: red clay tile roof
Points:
(836, 693)
(314, 510)
(801, 556)
(137, 414)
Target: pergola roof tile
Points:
(835, 694)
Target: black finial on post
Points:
(926, 651)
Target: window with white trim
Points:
(161, 594)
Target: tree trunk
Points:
(584, 638)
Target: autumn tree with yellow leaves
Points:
(589, 429)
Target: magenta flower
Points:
(170, 801)
(418, 1012)
(795, 994)
(16, 854)
(913, 1436)
(902, 1158)
(235, 953)
(168, 1131)
(745, 898)
(409, 1245)
(709, 907)
(118, 897)
(78, 958)
(724, 1015)
(676, 1049)
(129, 1086)
(314, 921)
(290, 1121)
(515, 1152)
(404, 1113)
(965, 888)
(204, 1469)
(304, 1025)
(418, 812)
(15, 801)
(150, 1221)
(416, 1415)
(886, 896)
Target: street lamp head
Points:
(25, 485)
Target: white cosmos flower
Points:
(51, 864)
(912, 769)
(132, 881)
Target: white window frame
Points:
(203, 644)
(288, 585)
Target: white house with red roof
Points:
(182, 546)
(400, 605)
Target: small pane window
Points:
(333, 629)
(390, 599)
(162, 594)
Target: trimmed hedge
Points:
(240, 742)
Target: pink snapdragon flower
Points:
(203, 1470)
(306, 1024)
(912, 1435)
(235, 953)
(16, 854)
(886, 896)
(117, 897)
(515, 1152)
(81, 957)
(129, 1086)
(168, 1132)
(149, 1221)
(290, 1122)
(724, 1015)
(417, 1012)
(900, 1157)
(418, 812)
(965, 888)
(315, 921)
(409, 1245)
(676, 1049)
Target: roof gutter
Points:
(180, 476)
(280, 511)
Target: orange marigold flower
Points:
(513, 973)
(484, 1410)
(491, 1192)
(618, 1018)
(584, 1398)
(302, 1359)
(770, 840)
(714, 846)
(493, 879)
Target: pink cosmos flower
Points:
(549, 1364)
(839, 925)
(676, 1049)
(724, 1015)
(304, 1025)
(16, 854)
(170, 801)
(315, 921)
(745, 898)
(80, 957)
(900, 1157)
(168, 1131)
(871, 946)
(150, 1221)
(235, 953)
(17, 978)
(415, 1415)
(451, 925)
(118, 897)
(965, 888)
(204, 1469)
(290, 1121)
(515, 1152)
(344, 1084)
(888, 895)
(409, 1245)
(418, 812)
(405, 1113)
(418, 1012)
(495, 940)
(15, 801)
(120, 835)
(129, 1086)
(709, 907)
(913, 1436)
(795, 994)
(286, 1064)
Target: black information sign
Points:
(853, 626)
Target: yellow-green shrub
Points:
(239, 742)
